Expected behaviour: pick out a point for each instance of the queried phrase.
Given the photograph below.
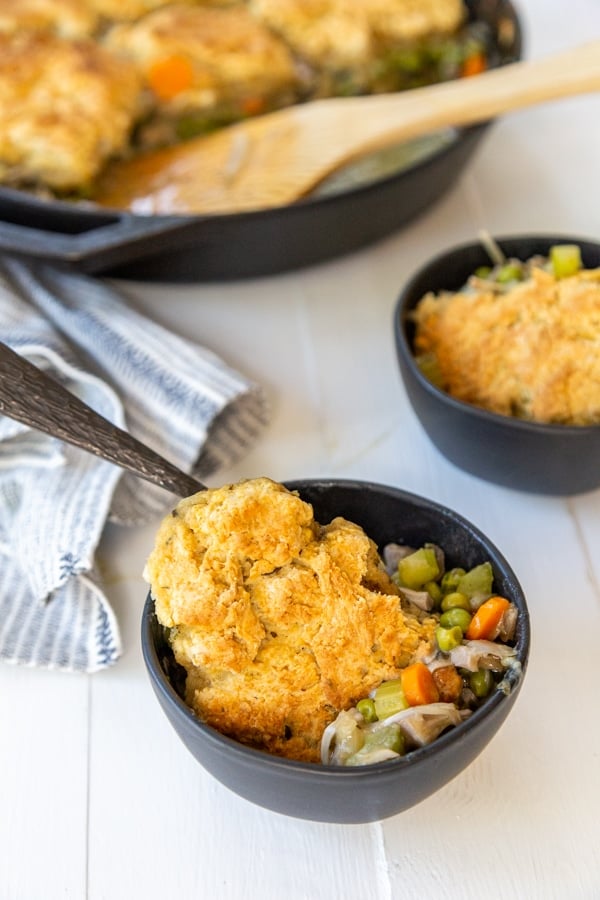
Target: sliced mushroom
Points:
(508, 624)
(422, 599)
(474, 655)
(393, 553)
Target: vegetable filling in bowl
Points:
(472, 651)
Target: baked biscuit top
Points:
(279, 622)
(196, 57)
(67, 106)
(337, 34)
(532, 351)
(66, 18)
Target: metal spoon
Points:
(32, 397)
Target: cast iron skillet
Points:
(220, 247)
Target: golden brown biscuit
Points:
(329, 34)
(216, 64)
(65, 108)
(66, 18)
(342, 39)
(532, 351)
(279, 622)
(413, 20)
(130, 10)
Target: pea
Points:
(481, 682)
(483, 272)
(366, 708)
(455, 600)
(456, 616)
(448, 638)
(450, 580)
(434, 591)
(509, 272)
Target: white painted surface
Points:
(98, 797)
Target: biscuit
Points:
(279, 622)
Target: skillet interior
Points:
(354, 208)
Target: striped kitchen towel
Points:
(176, 396)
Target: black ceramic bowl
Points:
(545, 459)
(368, 793)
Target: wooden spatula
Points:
(278, 158)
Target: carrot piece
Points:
(252, 106)
(486, 620)
(474, 64)
(170, 76)
(418, 685)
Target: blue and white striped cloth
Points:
(178, 397)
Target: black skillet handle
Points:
(106, 242)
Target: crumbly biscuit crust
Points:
(280, 622)
(532, 351)
(66, 106)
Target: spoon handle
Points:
(466, 101)
(32, 397)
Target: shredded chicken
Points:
(423, 724)
(343, 740)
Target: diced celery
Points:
(389, 698)
(565, 260)
(418, 568)
(389, 737)
(476, 581)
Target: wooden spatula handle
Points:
(372, 122)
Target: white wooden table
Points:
(99, 799)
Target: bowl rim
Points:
(406, 303)
(239, 751)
